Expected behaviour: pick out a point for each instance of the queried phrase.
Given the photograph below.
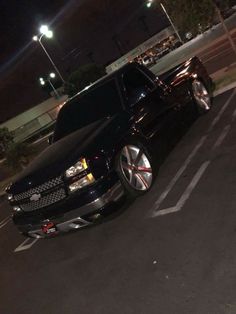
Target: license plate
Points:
(49, 228)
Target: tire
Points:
(135, 169)
(201, 97)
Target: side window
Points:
(137, 84)
(105, 98)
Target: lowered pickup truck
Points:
(107, 143)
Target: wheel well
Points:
(132, 139)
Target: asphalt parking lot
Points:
(170, 251)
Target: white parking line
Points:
(222, 136)
(220, 113)
(234, 115)
(4, 222)
(27, 244)
(185, 196)
(179, 173)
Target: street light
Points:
(217, 5)
(45, 31)
(52, 75)
(43, 81)
(149, 4)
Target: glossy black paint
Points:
(148, 117)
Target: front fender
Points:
(134, 136)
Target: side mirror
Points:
(50, 139)
(163, 88)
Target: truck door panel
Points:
(146, 100)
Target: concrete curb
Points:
(223, 72)
(224, 89)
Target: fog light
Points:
(16, 209)
(9, 197)
(81, 183)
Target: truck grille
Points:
(39, 189)
(51, 192)
(44, 201)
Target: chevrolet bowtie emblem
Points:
(35, 197)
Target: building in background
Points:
(39, 121)
(35, 122)
(156, 45)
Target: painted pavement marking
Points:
(26, 245)
(185, 196)
(156, 211)
(5, 221)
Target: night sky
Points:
(83, 30)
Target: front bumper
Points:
(75, 219)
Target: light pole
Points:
(42, 82)
(216, 4)
(149, 4)
(45, 31)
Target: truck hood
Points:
(58, 157)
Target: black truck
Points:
(107, 142)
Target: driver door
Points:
(149, 103)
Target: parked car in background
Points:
(148, 61)
(189, 36)
(108, 142)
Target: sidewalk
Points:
(224, 79)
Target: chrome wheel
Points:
(201, 95)
(136, 168)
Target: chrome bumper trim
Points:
(113, 194)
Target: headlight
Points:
(81, 183)
(80, 166)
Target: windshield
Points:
(95, 104)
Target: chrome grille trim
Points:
(38, 189)
(44, 201)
